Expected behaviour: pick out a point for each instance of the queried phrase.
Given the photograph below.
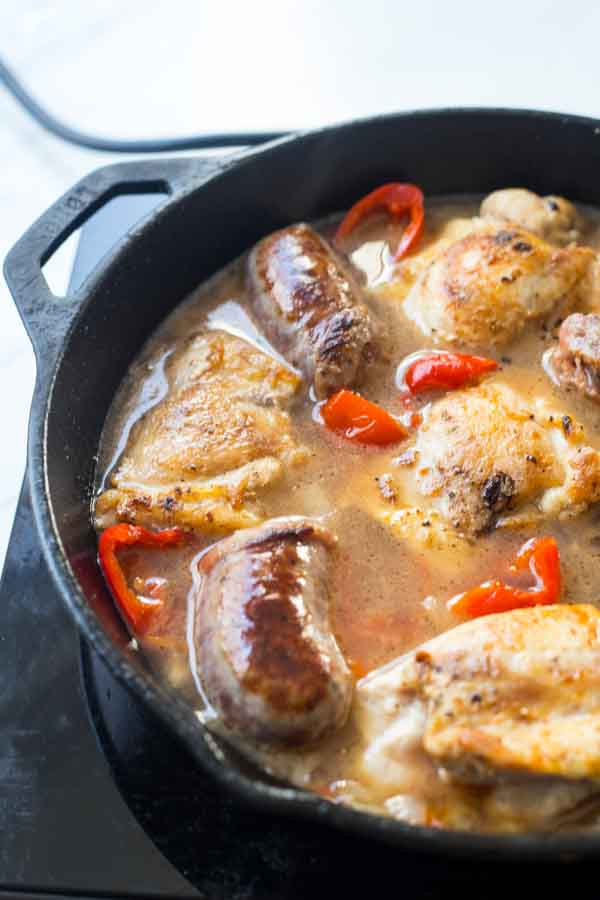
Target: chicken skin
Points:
(507, 698)
(222, 432)
(485, 457)
(482, 289)
(425, 530)
(552, 218)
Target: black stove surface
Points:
(97, 799)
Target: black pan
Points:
(212, 211)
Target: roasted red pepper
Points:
(399, 200)
(446, 371)
(358, 669)
(540, 556)
(137, 611)
(360, 420)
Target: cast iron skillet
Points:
(214, 210)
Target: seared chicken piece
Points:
(483, 455)
(310, 308)
(552, 218)
(426, 529)
(406, 271)
(197, 458)
(575, 363)
(484, 288)
(264, 653)
(504, 700)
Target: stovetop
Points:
(97, 799)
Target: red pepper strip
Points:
(358, 668)
(360, 420)
(399, 200)
(136, 612)
(541, 556)
(446, 371)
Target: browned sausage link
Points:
(310, 308)
(266, 658)
(576, 361)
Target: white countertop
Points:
(143, 68)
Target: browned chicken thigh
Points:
(552, 218)
(507, 698)
(485, 456)
(482, 289)
(222, 432)
(311, 309)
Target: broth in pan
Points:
(346, 501)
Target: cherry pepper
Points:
(136, 611)
(398, 200)
(541, 557)
(360, 420)
(446, 371)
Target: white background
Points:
(145, 67)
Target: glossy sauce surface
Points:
(387, 596)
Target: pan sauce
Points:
(386, 596)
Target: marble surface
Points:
(146, 67)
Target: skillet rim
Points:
(173, 712)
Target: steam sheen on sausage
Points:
(265, 655)
(310, 308)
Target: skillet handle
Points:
(47, 317)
